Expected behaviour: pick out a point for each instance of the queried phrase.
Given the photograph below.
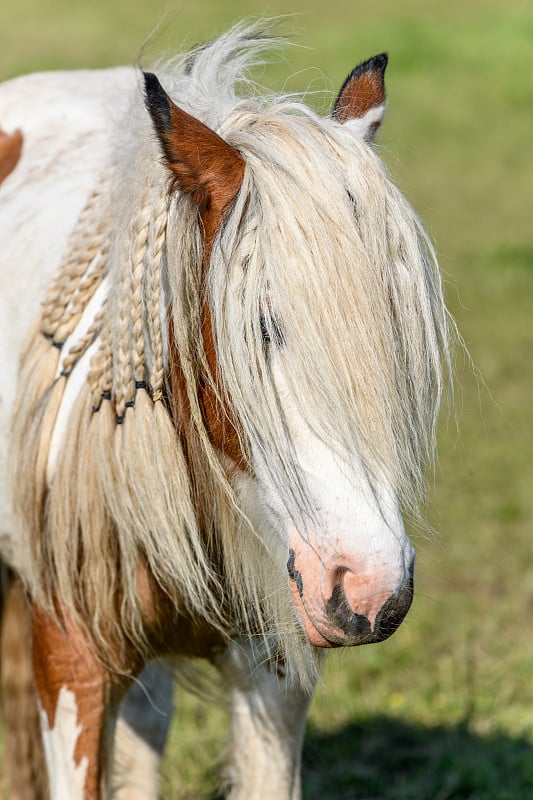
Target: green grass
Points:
(445, 708)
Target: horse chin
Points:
(313, 634)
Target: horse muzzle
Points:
(351, 608)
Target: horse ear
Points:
(361, 100)
(202, 163)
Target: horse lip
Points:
(312, 631)
(331, 643)
(327, 641)
(331, 640)
(325, 637)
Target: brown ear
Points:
(362, 96)
(202, 163)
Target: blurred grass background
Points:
(445, 708)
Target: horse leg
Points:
(24, 757)
(268, 724)
(142, 729)
(78, 702)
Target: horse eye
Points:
(265, 333)
(271, 331)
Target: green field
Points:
(444, 710)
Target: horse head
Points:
(329, 503)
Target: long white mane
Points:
(319, 249)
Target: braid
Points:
(84, 244)
(80, 347)
(100, 377)
(128, 345)
(118, 367)
(154, 292)
(140, 244)
(83, 294)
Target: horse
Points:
(224, 348)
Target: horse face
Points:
(350, 563)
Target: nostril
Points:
(393, 612)
(344, 617)
(365, 593)
(361, 611)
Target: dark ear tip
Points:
(380, 62)
(157, 102)
(150, 82)
(375, 64)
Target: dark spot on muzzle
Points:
(294, 574)
(393, 612)
(356, 627)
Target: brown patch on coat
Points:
(10, 152)
(211, 171)
(363, 89)
(220, 420)
(222, 424)
(24, 761)
(64, 658)
(170, 628)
